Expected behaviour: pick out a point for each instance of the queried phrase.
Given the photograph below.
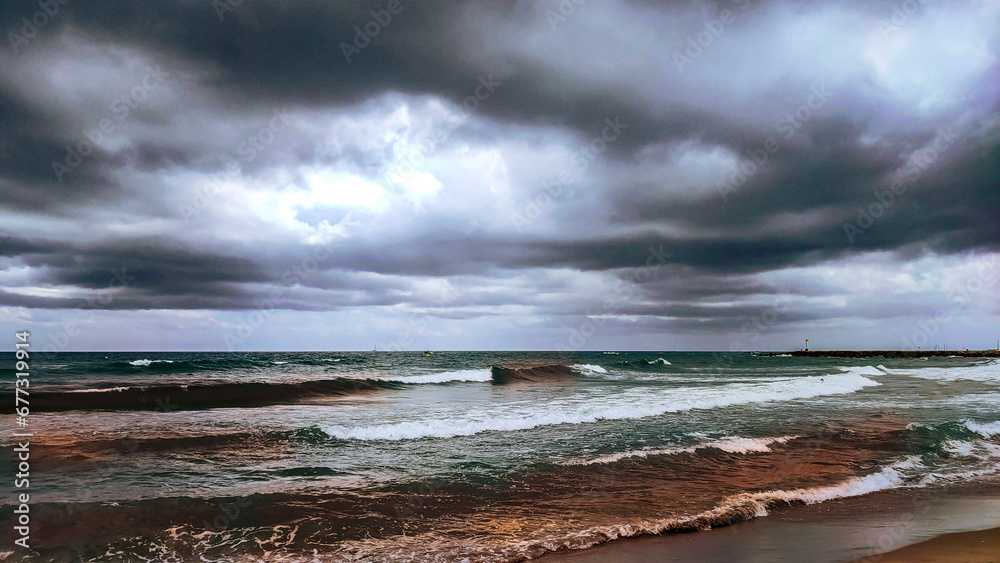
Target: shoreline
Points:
(887, 353)
(883, 527)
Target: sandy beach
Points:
(968, 547)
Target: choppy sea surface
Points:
(469, 456)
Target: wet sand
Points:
(968, 547)
(867, 529)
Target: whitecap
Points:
(987, 429)
(863, 370)
(730, 444)
(445, 377)
(106, 390)
(145, 362)
(579, 409)
(985, 372)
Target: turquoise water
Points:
(474, 456)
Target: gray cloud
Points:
(469, 142)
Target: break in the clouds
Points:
(573, 174)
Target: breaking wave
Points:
(199, 396)
(448, 376)
(988, 372)
(729, 444)
(145, 362)
(589, 368)
(536, 374)
(626, 405)
(731, 510)
(642, 363)
(985, 429)
(863, 370)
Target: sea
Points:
(467, 456)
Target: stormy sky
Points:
(294, 174)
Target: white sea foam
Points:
(731, 509)
(145, 362)
(957, 476)
(784, 356)
(890, 477)
(984, 451)
(731, 444)
(863, 370)
(444, 377)
(589, 367)
(747, 505)
(986, 372)
(107, 390)
(737, 445)
(661, 361)
(987, 430)
(582, 409)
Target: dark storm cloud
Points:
(274, 53)
(30, 142)
(139, 267)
